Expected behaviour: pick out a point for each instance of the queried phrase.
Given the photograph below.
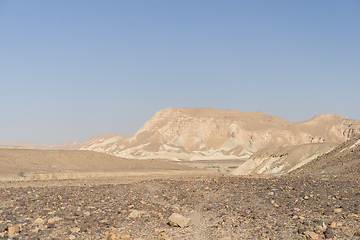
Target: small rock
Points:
(337, 210)
(89, 219)
(51, 221)
(125, 236)
(111, 236)
(51, 225)
(3, 227)
(226, 238)
(71, 237)
(357, 234)
(158, 231)
(312, 235)
(39, 221)
(329, 233)
(333, 225)
(75, 230)
(13, 230)
(135, 214)
(270, 193)
(319, 226)
(177, 220)
(301, 231)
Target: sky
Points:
(70, 70)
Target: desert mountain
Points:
(282, 159)
(97, 142)
(71, 145)
(90, 144)
(22, 145)
(206, 133)
(342, 160)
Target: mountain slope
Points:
(343, 160)
(282, 159)
(206, 133)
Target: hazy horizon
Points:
(70, 70)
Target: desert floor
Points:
(219, 206)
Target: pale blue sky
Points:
(73, 69)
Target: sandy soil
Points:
(30, 164)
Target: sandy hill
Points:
(206, 133)
(343, 160)
(71, 145)
(282, 160)
(34, 161)
(90, 144)
(97, 142)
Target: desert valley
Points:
(189, 173)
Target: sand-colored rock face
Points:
(342, 160)
(97, 142)
(205, 133)
(283, 159)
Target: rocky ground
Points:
(217, 207)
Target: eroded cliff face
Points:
(205, 133)
(282, 160)
(344, 159)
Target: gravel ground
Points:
(219, 208)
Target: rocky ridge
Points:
(282, 160)
(342, 161)
(206, 133)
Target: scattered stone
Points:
(3, 227)
(157, 232)
(135, 214)
(111, 236)
(329, 233)
(13, 230)
(75, 230)
(337, 210)
(125, 236)
(312, 235)
(177, 220)
(51, 225)
(51, 221)
(333, 225)
(232, 207)
(319, 226)
(302, 231)
(39, 221)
